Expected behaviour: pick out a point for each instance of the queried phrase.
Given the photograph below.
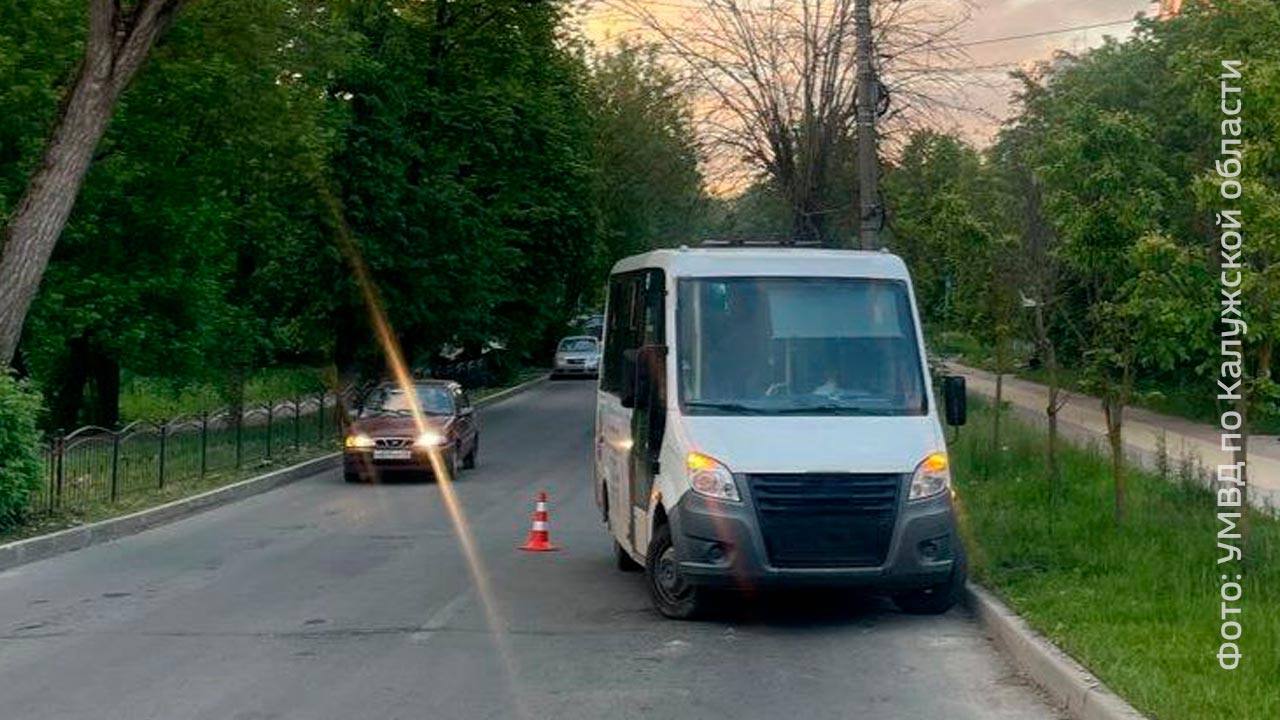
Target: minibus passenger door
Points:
(648, 422)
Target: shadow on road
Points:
(801, 608)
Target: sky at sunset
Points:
(991, 19)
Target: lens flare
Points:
(400, 371)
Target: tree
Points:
(935, 225)
(119, 38)
(1198, 44)
(648, 186)
(1106, 190)
(180, 260)
(1017, 212)
(469, 193)
(779, 82)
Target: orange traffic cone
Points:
(539, 539)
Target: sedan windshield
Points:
(579, 345)
(392, 400)
(798, 346)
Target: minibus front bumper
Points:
(720, 543)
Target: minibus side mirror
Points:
(954, 400)
(627, 392)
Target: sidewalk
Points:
(1081, 420)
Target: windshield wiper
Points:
(384, 412)
(729, 406)
(834, 408)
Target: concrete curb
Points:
(513, 390)
(40, 547)
(1067, 681)
(63, 541)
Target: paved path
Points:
(1082, 418)
(323, 600)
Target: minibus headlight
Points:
(709, 477)
(932, 477)
(359, 440)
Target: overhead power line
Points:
(1044, 33)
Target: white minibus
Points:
(765, 416)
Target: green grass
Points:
(146, 398)
(140, 494)
(1137, 604)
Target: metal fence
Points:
(96, 465)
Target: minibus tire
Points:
(671, 595)
(937, 599)
(624, 560)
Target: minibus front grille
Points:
(826, 519)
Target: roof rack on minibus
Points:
(757, 243)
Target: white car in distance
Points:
(577, 355)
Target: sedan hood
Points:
(397, 425)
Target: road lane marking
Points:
(441, 618)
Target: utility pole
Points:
(868, 162)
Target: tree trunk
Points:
(1113, 408)
(1002, 369)
(19, 366)
(118, 42)
(1114, 402)
(1050, 360)
(104, 373)
(68, 393)
(41, 213)
(235, 396)
(1051, 447)
(995, 424)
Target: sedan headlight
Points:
(359, 440)
(429, 438)
(709, 477)
(932, 477)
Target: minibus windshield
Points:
(797, 346)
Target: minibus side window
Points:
(635, 316)
(617, 330)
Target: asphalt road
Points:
(323, 600)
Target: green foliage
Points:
(20, 461)
(40, 41)
(1167, 307)
(466, 188)
(1096, 203)
(160, 398)
(199, 214)
(758, 213)
(489, 174)
(649, 188)
(938, 228)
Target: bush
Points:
(19, 449)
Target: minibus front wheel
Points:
(672, 594)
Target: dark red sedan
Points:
(385, 437)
